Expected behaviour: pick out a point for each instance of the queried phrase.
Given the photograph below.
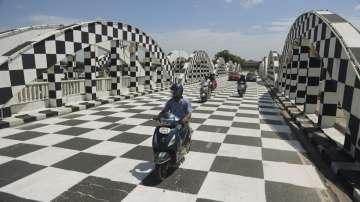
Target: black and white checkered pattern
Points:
(220, 66)
(55, 91)
(337, 43)
(294, 71)
(134, 69)
(273, 67)
(90, 72)
(71, 65)
(115, 72)
(313, 83)
(147, 66)
(104, 60)
(200, 65)
(302, 72)
(29, 63)
(241, 148)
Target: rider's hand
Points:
(155, 118)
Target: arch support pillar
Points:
(147, 66)
(133, 68)
(328, 103)
(302, 72)
(55, 90)
(115, 68)
(312, 85)
(294, 72)
(71, 64)
(90, 72)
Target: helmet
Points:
(177, 90)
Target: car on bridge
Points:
(251, 77)
(234, 76)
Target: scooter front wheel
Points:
(161, 170)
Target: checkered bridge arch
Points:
(200, 65)
(29, 63)
(273, 67)
(336, 43)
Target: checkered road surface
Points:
(242, 150)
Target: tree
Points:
(230, 57)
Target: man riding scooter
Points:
(241, 85)
(181, 108)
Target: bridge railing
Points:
(39, 91)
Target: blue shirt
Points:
(180, 108)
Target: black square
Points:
(271, 122)
(236, 166)
(226, 110)
(28, 61)
(205, 147)
(243, 140)
(19, 149)
(6, 94)
(72, 116)
(281, 156)
(103, 113)
(83, 162)
(51, 59)
(181, 180)
(33, 126)
(135, 111)
(143, 116)
(14, 170)
(275, 191)
(73, 122)
(6, 197)
(219, 117)
(39, 48)
(110, 119)
(60, 47)
(95, 188)
(140, 153)
(26, 135)
(246, 125)
(247, 115)
(123, 127)
(215, 129)
(150, 123)
(69, 35)
(131, 138)
(197, 120)
(78, 143)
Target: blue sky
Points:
(249, 28)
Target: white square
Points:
(275, 128)
(208, 136)
(232, 188)
(245, 111)
(151, 112)
(200, 115)
(289, 145)
(41, 185)
(110, 148)
(123, 114)
(132, 121)
(145, 130)
(151, 194)
(244, 132)
(93, 124)
(50, 128)
(295, 174)
(9, 131)
(246, 119)
(217, 122)
(54, 120)
(48, 156)
(4, 159)
(48, 140)
(198, 161)
(100, 134)
(89, 117)
(222, 113)
(240, 151)
(125, 170)
(8, 142)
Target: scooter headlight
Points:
(164, 130)
(172, 141)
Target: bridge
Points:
(76, 105)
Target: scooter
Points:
(169, 147)
(205, 93)
(241, 88)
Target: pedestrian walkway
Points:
(242, 150)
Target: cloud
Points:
(281, 25)
(228, 1)
(249, 46)
(49, 19)
(250, 3)
(357, 7)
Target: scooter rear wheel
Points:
(161, 170)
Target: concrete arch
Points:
(323, 47)
(220, 66)
(28, 62)
(273, 67)
(200, 65)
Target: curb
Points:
(341, 163)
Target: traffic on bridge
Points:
(99, 111)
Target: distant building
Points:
(251, 65)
